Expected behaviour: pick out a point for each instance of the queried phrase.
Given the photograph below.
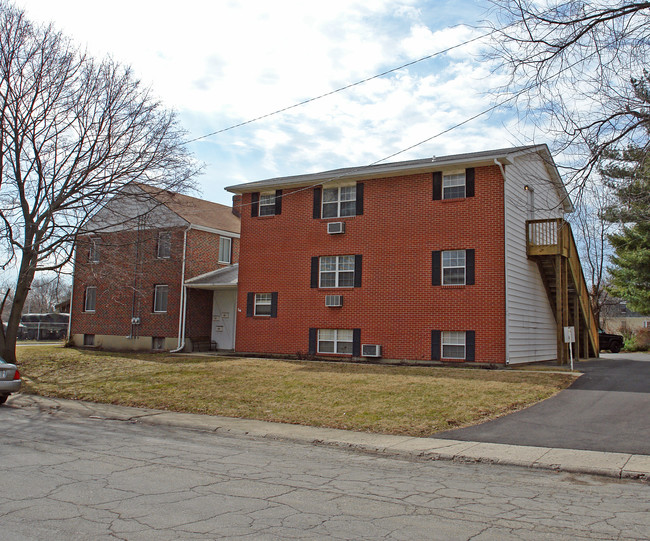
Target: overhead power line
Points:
(341, 89)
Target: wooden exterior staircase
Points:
(551, 245)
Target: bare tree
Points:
(592, 230)
(577, 70)
(73, 133)
(46, 292)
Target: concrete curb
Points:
(616, 465)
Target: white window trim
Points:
(449, 174)
(338, 202)
(156, 288)
(443, 267)
(168, 235)
(268, 205)
(86, 309)
(336, 272)
(229, 240)
(263, 303)
(445, 334)
(336, 342)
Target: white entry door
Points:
(224, 302)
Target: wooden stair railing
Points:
(551, 243)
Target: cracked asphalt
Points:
(64, 477)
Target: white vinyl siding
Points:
(531, 331)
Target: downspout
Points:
(505, 259)
(74, 269)
(183, 299)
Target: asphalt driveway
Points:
(606, 409)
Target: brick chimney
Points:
(236, 205)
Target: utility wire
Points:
(341, 89)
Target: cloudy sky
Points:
(222, 62)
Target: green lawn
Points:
(417, 401)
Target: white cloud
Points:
(220, 63)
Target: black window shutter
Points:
(274, 304)
(278, 202)
(314, 271)
(250, 305)
(435, 345)
(359, 198)
(469, 267)
(317, 195)
(255, 204)
(356, 342)
(435, 268)
(470, 339)
(313, 337)
(437, 186)
(357, 270)
(469, 182)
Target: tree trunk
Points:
(25, 278)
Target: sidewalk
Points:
(617, 465)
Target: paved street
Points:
(65, 477)
(606, 409)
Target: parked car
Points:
(612, 342)
(9, 380)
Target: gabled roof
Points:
(223, 278)
(196, 211)
(436, 163)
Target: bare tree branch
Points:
(73, 133)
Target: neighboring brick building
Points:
(129, 275)
(429, 260)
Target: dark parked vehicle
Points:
(612, 342)
(44, 326)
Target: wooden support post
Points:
(565, 306)
(559, 305)
(577, 350)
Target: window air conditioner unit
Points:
(336, 228)
(333, 300)
(371, 350)
(135, 321)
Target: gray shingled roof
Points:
(388, 169)
(225, 277)
(470, 159)
(196, 211)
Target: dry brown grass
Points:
(417, 401)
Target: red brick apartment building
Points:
(462, 258)
(130, 287)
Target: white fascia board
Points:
(221, 232)
(365, 172)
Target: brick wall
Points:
(396, 306)
(203, 253)
(115, 278)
